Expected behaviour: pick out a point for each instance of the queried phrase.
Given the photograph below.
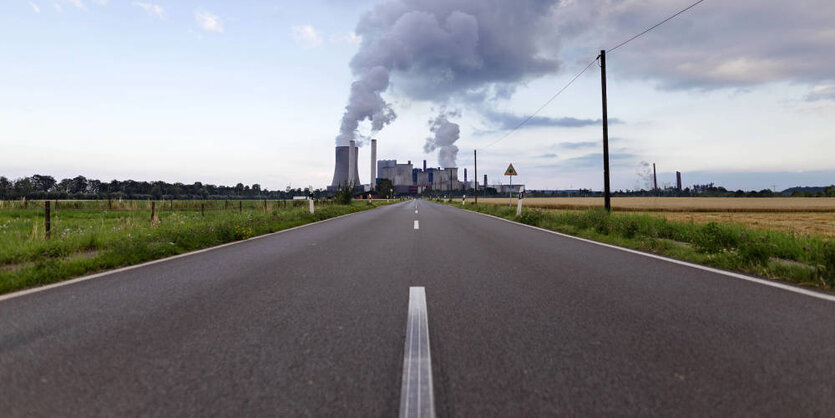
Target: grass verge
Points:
(801, 259)
(89, 241)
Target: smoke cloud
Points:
(444, 50)
(446, 133)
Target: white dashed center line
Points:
(416, 398)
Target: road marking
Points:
(416, 394)
(417, 225)
(778, 285)
(415, 211)
(25, 292)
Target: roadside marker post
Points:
(519, 203)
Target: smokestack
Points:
(485, 182)
(465, 176)
(654, 178)
(352, 163)
(373, 163)
(678, 180)
(424, 165)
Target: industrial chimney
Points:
(485, 182)
(654, 178)
(465, 176)
(424, 165)
(678, 180)
(373, 163)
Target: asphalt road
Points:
(312, 322)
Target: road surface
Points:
(313, 322)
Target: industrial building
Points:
(405, 178)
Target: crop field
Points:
(88, 236)
(813, 216)
(806, 259)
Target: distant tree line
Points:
(42, 187)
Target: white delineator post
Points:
(373, 164)
(311, 205)
(519, 203)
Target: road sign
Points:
(510, 171)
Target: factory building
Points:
(409, 180)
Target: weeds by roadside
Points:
(802, 259)
(86, 241)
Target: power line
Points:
(654, 26)
(528, 119)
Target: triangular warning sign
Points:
(510, 171)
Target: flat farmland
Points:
(815, 216)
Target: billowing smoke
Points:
(467, 51)
(446, 133)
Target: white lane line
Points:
(778, 285)
(415, 211)
(417, 225)
(416, 393)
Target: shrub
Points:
(530, 217)
(755, 250)
(827, 270)
(712, 238)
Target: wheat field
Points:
(814, 216)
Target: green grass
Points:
(87, 237)
(802, 259)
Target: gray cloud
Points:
(549, 155)
(444, 50)
(595, 161)
(716, 44)
(578, 145)
(822, 92)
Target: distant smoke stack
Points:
(465, 175)
(373, 163)
(678, 180)
(341, 166)
(352, 164)
(485, 182)
(654, 178)
(424, 165)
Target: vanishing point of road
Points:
(313, 322)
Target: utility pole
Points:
(607, 197)
(475, 176)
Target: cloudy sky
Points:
(738, 93)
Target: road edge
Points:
(740, 276)
(62, 283)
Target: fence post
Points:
(153, 209)
(47, 219)
(203, 210)
(240, 206)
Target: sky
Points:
(736, 93)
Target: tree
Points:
(23, 186)
(42, 183)
(385, 188)
(78, 185)
(345, 195)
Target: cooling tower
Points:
(340, 170)
(352, 165)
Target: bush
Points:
(755, 250)
(827, 270)
(530, 217)
(712, 238)
(345, 195)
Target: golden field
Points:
(815, 216)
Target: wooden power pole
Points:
(607, 196)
